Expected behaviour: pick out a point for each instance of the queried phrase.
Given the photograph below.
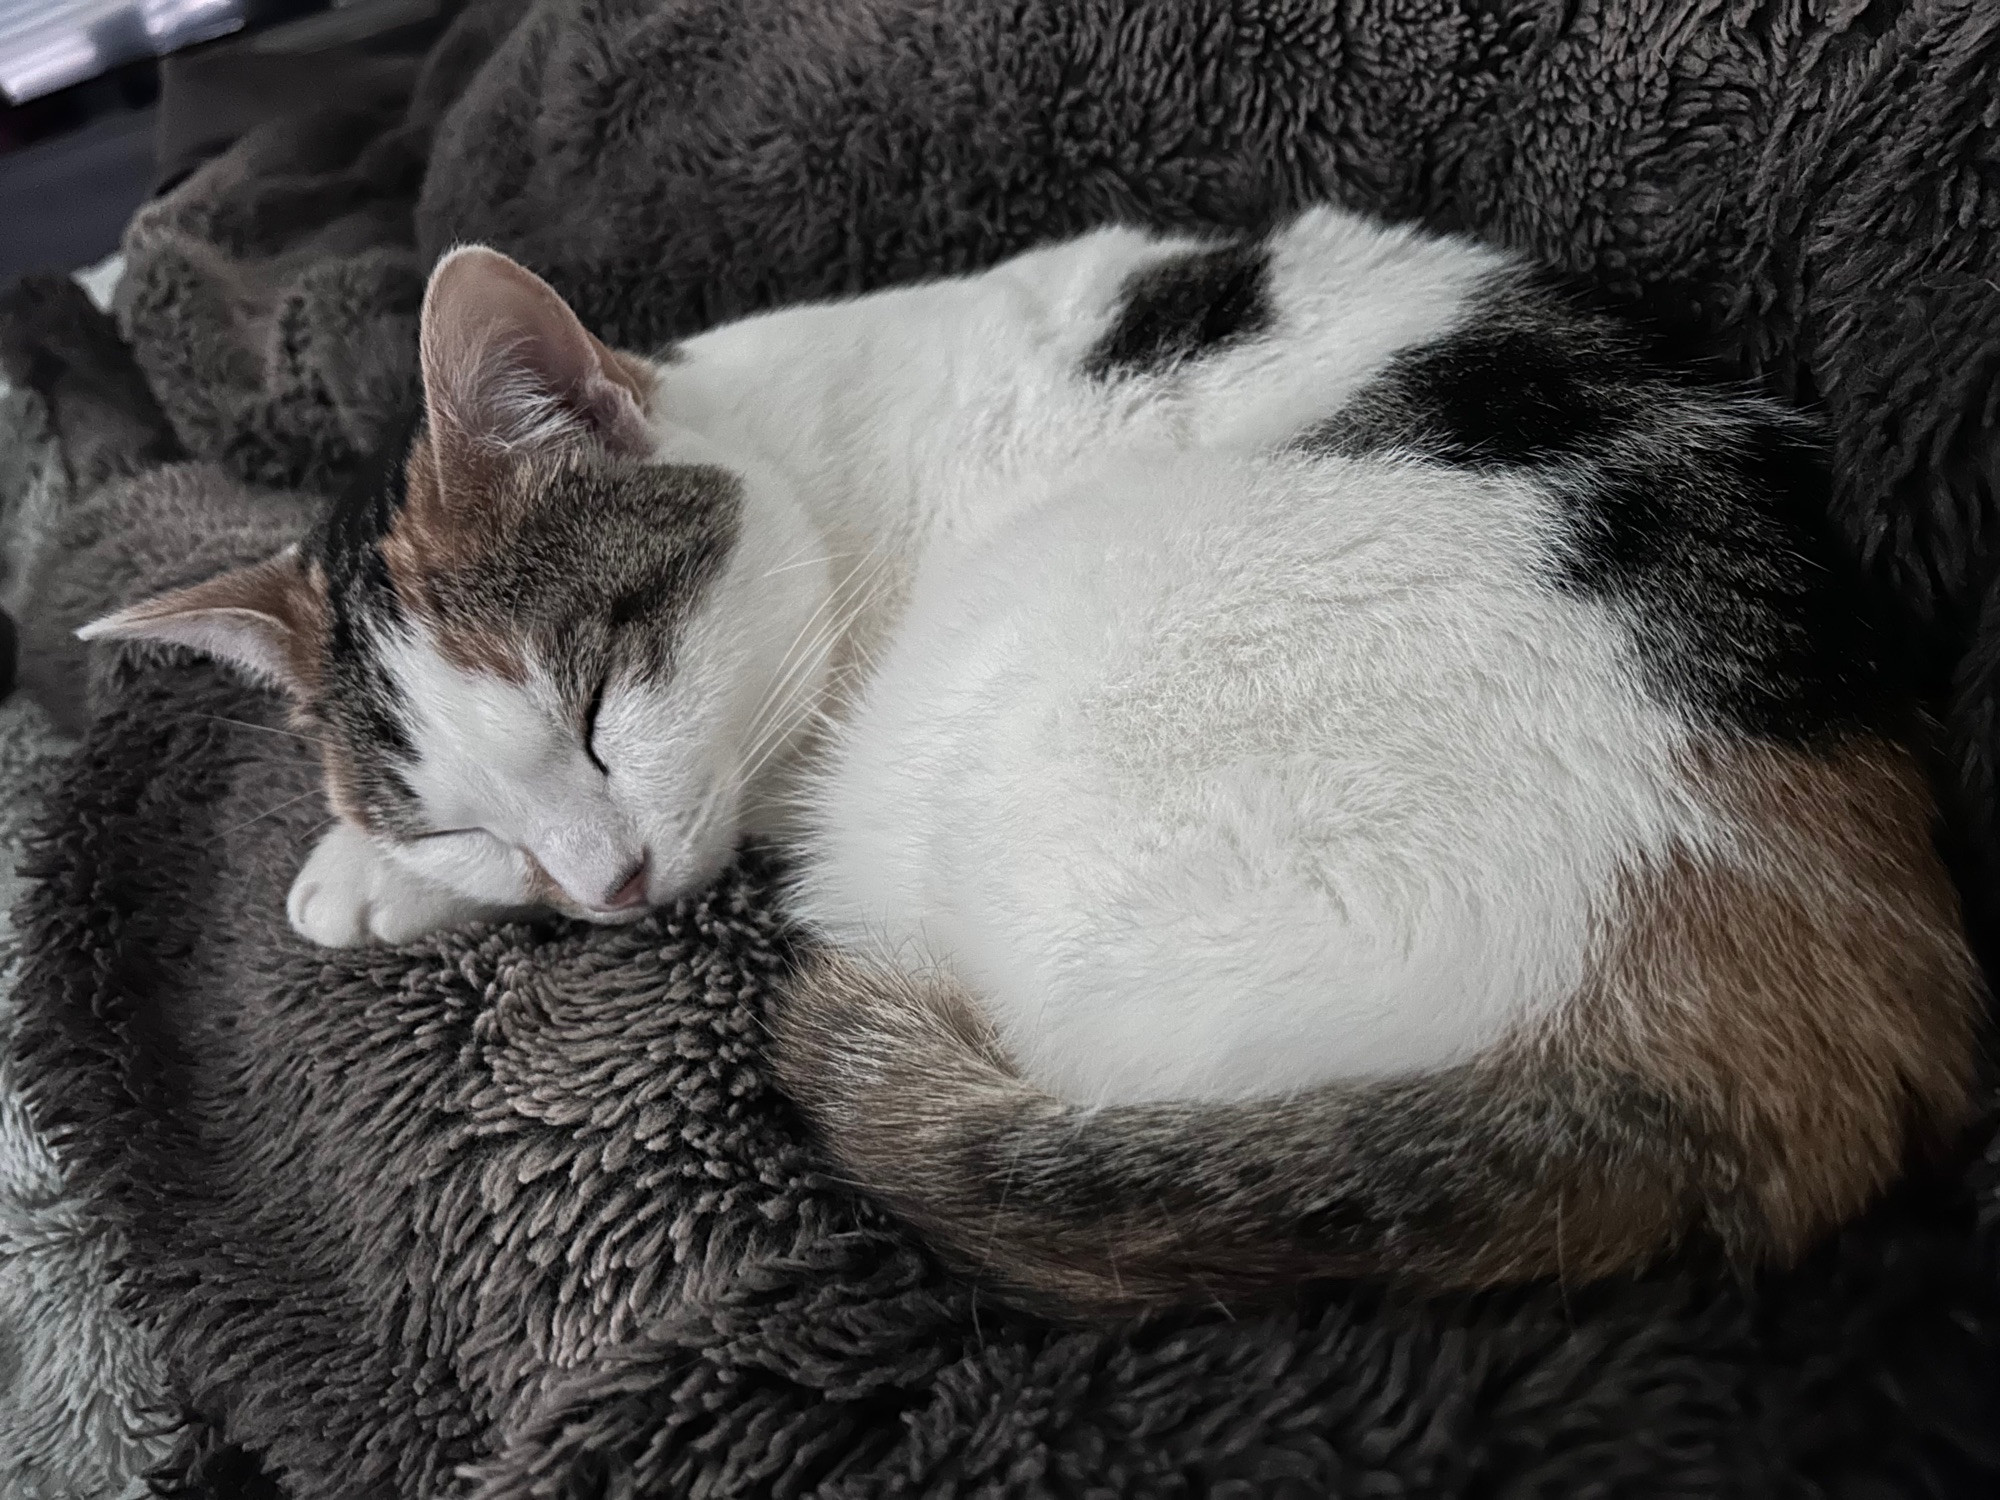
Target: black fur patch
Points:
(1494, 394)
(1185, 307)
(1704, 511)
(1744, 605)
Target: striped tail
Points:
(1515, 1165)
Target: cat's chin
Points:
(623, 918)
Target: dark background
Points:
(75, 164)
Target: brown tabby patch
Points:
(1809, 996)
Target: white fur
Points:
(351, 891)
(1223, 777)
(1213, 771)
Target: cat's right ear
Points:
(269, 617)
(508, 366)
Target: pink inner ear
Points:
(507, 364)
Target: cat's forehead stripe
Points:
(553, 562)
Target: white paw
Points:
(350, 892)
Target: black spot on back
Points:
(1492, 396)
(1705, 512)
(1528, 379)
(1746, 606)
(1182, 308)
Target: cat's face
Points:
(546, 656)
(561, 706)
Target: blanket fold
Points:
(520, 1212)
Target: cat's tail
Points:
(1516, 1165)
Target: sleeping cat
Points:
(1307, 756)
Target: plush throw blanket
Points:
(519, 1212)
(83, 1408)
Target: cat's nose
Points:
(601, 869)
(631, 891)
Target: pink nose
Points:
(632, 892)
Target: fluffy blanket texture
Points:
(82, 1404)
(518, 1212)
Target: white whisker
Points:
(267, 812)
(310, 739)
(816, 640)
(808, 562)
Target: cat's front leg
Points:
(350, 892)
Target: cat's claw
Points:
(349, 893)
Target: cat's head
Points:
(547, 650)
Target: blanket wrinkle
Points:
(519, 1211)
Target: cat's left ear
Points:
(269, 617)
(507, 365)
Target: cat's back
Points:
(1433, 654)
(1217, 776)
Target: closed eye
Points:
(443, 833)
(590, 727)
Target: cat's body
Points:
(1197, 756)
(1304, 756)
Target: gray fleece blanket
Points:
(82, 1399)
(518, 1212)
